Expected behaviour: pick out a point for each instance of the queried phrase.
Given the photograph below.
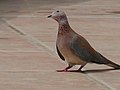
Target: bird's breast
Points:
(63, 43)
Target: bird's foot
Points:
(64, 70)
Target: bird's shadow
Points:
(93, 71)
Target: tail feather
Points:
(104, 60)
(114, 65)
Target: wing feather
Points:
(60, 55)
(83, 49)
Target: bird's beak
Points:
(49, 16)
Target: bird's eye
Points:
(57, 11)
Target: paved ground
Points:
(27, 45)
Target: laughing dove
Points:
(73, 48)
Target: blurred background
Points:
(16, 7)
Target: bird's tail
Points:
(114, 65)
(108, 62)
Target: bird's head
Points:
(58, 16)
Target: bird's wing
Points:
(83, 49)
(60, 55)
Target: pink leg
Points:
(79, 70)
(65, 70)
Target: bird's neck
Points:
(64, 27)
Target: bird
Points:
(74, 48)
